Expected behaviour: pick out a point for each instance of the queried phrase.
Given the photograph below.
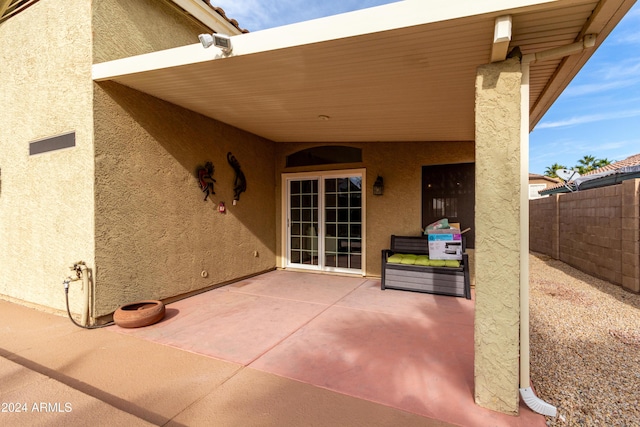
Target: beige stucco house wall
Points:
(399, 209)
(155, 236)
(47, 208)
(125, 199)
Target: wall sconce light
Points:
(378, 186)
(221, 41)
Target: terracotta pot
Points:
(139, 314)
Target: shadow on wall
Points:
(192, 139)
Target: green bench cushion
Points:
(423, 260)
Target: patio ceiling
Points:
(399, 72)
(9, 8)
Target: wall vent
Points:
(52, 143)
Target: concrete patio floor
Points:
(282, 348)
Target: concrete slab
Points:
(42, 401)
(150, 381)
(33, 327)
(256, 398)
(321, 350)
(14, 377)
(375, 356)
(306, 287)
(232, 326)
(446, 310)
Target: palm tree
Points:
(586, 164)
(602, 162)
(550, 171)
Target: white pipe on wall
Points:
(529, 397)
(84, 320)
(524, 229)
(587, 41)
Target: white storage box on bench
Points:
(440, 280)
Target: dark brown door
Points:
(448, 191)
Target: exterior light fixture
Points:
(378, 186)
(323, 117)
(221, 41)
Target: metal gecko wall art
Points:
(240, 182)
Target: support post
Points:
(498, 235)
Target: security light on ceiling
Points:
(221, 41)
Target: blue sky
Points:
(598, 114)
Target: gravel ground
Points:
(585, 346)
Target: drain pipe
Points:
(526, 392)
(587, 42)
(86, 295)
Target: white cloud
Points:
(627, 30)
(615, 145)
(589, 119)
(257, 15)
(598, 87)
(250, 14)
(628, 38)
(628, 68)
(608, 77)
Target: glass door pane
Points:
(343, 223)
(303, 222)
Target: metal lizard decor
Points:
(240, 182)
(205, 177)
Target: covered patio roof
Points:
(9, 8)
(404, 71)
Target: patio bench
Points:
(440, 280)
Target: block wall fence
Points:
(596, 231)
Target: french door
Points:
(324, 221)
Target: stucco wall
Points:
(155, 236)
(497, 257)
(399, 209)
(124, 28)
(46, 200)
(154, 233)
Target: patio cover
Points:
(9, 8)
(403, 71)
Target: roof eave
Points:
(208, 16)
(360, 22)
(605, 181)
(602, 22)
